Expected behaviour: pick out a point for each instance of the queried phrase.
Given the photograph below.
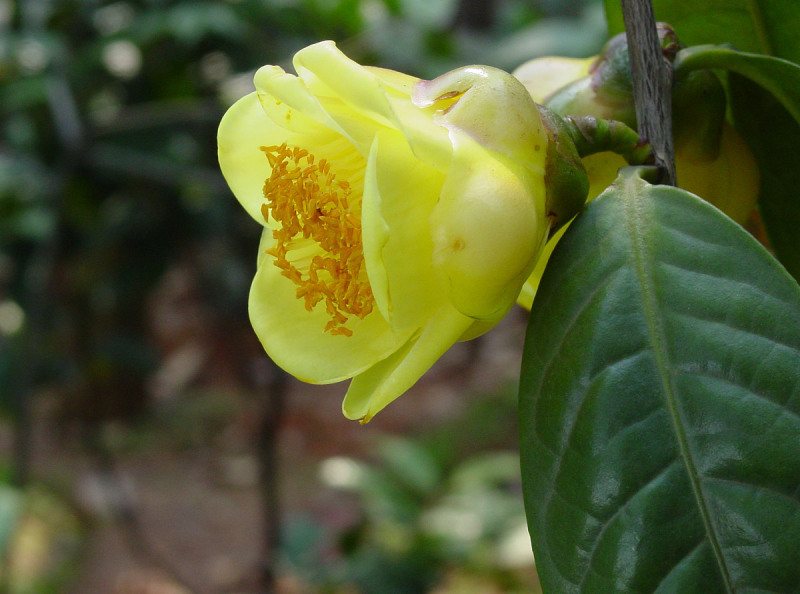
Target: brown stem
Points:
(651, 74)
(271, 419)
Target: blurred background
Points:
(147, 445)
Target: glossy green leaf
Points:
(759, 26)
(774, 137)
(660, 403)
(779, 77)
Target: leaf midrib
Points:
(636, 212)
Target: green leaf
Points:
(771, 127)
(660, 403)
(758, 26)
(774, 137)
(780, 77)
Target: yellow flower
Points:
(398, 217)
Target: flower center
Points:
(303, 195)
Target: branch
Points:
(271, 421)
(652, 84)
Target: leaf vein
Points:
(554, 349)
(683, 559)
(772, 341)
(782, 408)
(617, 512)
(758, 487)
(757, 290)
(548, 365)
(638, 213)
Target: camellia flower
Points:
(400, 215)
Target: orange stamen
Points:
(307, 200)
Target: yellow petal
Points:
(531, 285)
(602, 168)
(481, 327)
(348, 90)
(400, 193)
(294, 337)
(488, 229)
(328, 73)
(243, 129)
(372, 390)
(287, 101)
(543, 76)
(429, 142)
(398, 81)
(491, 107)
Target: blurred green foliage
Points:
(430, 519)
(40, 541)
(109, 181)
(108, 173)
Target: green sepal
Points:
(566, 181)
(607, 92)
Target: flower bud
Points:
(711, 158)
(607, 91)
